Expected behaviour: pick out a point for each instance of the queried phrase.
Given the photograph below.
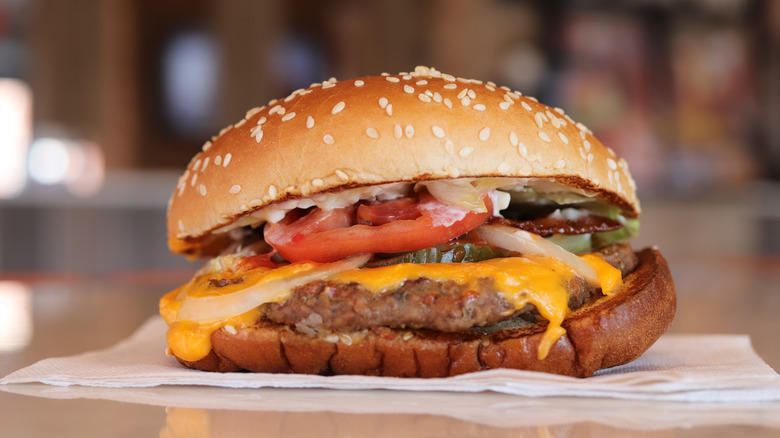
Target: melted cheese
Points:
(540, 281)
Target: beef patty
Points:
(446, 306)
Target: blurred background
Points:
(103, 102)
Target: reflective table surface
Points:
(59, 315)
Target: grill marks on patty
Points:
(322, 307)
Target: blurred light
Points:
(15, 315)
(48, 161)
(78, 165)
(15, 133)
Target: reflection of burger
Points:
(411, 225)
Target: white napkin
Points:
(698, 368)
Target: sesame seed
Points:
(406, 77)
(252, 112)
(181, 188)
(196, 166)
(181, 225)
(398, 131)
(371, 132)
(338, 107)
(205, 164)
(611, 178)
(533, 99)
(450, 86)
(389, 109)
(484, 134)
(526, 106)
(490, 87)
(447, 102)
(310, 122)
(465, 152)
(227, 159)
(383, 102)
(465, 101)
(261, 120)
(504, 105)
(421, 82)
(235, 189)
(409, 131)
(554, 120)
(288, 116)
(436, 97)
(342, 176)
(563, 138)
(523, 150)
(272, 192)
(453, 171)
(275, 109)
(239, 123)
(224, 130)
(326, 85)
(424, 97)
(586, 145)
(359, 83)
(582, 154)
(611, 163)
(218, 160)
(480, 107)
(472, 94)
(513, 138)
(540, 119)
(328, 139)
(193, 180)
(590, 158)
(463, 93)
(317, 182)
(509, 98)
(504, 168)
(408, 89)
(560, 164)
(206, 146)
(438, 131)
(559, 110)
(449, 146)
(392, 79)
(543, 135)
(202, 190)
(448, 78)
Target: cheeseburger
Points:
(411, 225)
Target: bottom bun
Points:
(609, 332)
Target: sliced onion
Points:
(457, 192)
(514, 239)
(208, 308)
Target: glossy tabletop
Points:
(44, 317)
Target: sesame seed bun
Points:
(408, 127)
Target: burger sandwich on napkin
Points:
(412, 225)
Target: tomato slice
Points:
(297, 240)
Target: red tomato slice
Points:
(437, 223)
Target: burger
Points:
(411, 225)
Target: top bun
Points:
(408, 127)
